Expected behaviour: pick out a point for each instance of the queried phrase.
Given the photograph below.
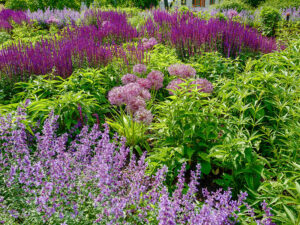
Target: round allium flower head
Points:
(135, 104)
(173, 85)
(144, 83)
(145, 94)
(181, 70)
(129, 78)
(143, 115)
(231, 13)
(156, 78)
(139, 68)
(131, 90)
(144, 40)
(203, 85)
(147, 44)
(116, 96)
(152, 41)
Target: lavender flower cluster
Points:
(294, 13)
(135, 92)
(58, 17)
(8, 15)
(191, 35)
(183, 72)
(244, 16)
(94, 180)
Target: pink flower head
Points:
(232, 13)
(148, 44)
(52, 19)
(139, 68)
(145, 94)
(143, 115)
(129, 78)
(132, 90)
(203, 85)
(116, 96)
(144, 83)
(156, 78)
(144, 40)
(173, 85)
(152, 41)
(135, 104)
(181, 70)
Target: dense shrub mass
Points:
(179, 92)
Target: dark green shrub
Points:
(16, 4)
(233, 4)
(280, 4)
(144, 3)
(253, 3)
(127, 3)
(270, 18)
(42, 4)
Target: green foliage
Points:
(288, 32)
(233, 4)
(134, 132)
(187, 125)
(279, 4)
(162, 57)
(253, 3)
(16, 4)
(85, 88)
(127, 3)
(212, 65)
(263, 134)
(183, 9)
(4, 36)
(34, 5)
(270, 18)
(221, 16)
(285, 194)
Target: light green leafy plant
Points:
(134, 132)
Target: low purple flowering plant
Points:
(94, 179)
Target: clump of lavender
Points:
(291, 14)
(181, 70)
(47, 180)
(59, 17)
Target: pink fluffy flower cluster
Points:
(181, 70)
(135, 92)
(185, 72)
(149, 43)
